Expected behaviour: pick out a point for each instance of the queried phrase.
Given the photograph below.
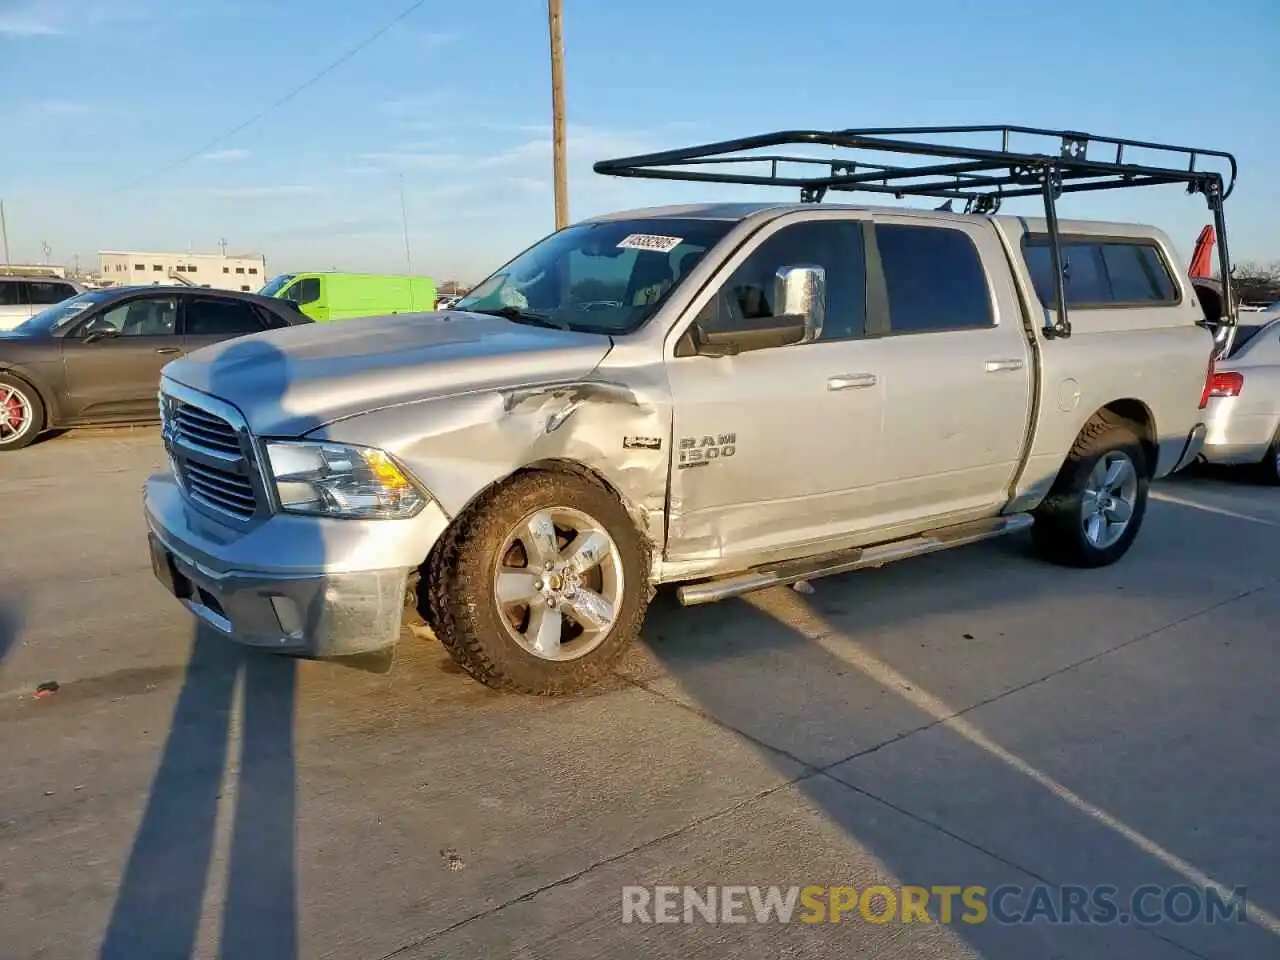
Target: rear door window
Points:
(221, 318)
(12, 294)
(935, 279)
(45, 293)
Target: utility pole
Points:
(223, 244)
(404, 219)
(4, 232)
(557, 114)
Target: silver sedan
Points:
(1244, 398)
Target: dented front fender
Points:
(460, 446)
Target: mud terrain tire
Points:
(483, 636)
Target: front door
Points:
(312, 297)
(113, 359)
(775, 450)
(956, 369)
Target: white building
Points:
(122, 269)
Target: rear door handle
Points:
(851, 381)
(1000, 366)
(167, 350)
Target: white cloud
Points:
(583, 144)
(223, 156)
(29, 19)
(47, 18)
(414, 160)
(434, 38)
(265, 192)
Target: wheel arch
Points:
(47, 400)
(1138, 416)
(563, 465)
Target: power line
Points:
(275, 105)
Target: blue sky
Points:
(98, 97)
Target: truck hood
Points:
(290, 381)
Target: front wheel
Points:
(21, 414)
(1095, 509)
(541, 587)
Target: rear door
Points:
(207, 320)
(114, 355)
(956, 369)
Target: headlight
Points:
(337, 480)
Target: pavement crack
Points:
(579, 874)
(808, 768)
(986, 851)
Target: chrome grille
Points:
(220, 489)
(210, 457)
(205, 429)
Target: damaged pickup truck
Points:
(722, 396)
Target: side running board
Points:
(863, 558)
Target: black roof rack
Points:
(1059, 161)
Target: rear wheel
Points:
(541, 587)
(1270, 466)
(21, 414)
(1096, 506)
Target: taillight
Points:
(1208, 383)
(1227, 384)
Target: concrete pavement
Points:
(972, 718)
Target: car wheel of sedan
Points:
(1270, 466)
(542, 586)
(21, 414)
(1092, 515)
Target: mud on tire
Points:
(1062, 531)
(460, 598)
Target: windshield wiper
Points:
(517, 315)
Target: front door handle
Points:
(851, 381)
(1000, 366)
(167, 350)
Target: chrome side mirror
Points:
(800, 293)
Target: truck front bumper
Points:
(306, 586)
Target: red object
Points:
(1226, 384)
(1200, 258)
(1208, 384)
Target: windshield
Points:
(53, 318)
(276, 284)
(607, 277)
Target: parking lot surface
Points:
(974, 718)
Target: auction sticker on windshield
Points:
(649, 241)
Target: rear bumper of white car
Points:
(1236, 435)
(304, 586)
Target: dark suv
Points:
(96, 357)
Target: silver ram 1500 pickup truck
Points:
(724, 396)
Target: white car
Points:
(1243, 411)
(21, 298)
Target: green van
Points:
(325, 297)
